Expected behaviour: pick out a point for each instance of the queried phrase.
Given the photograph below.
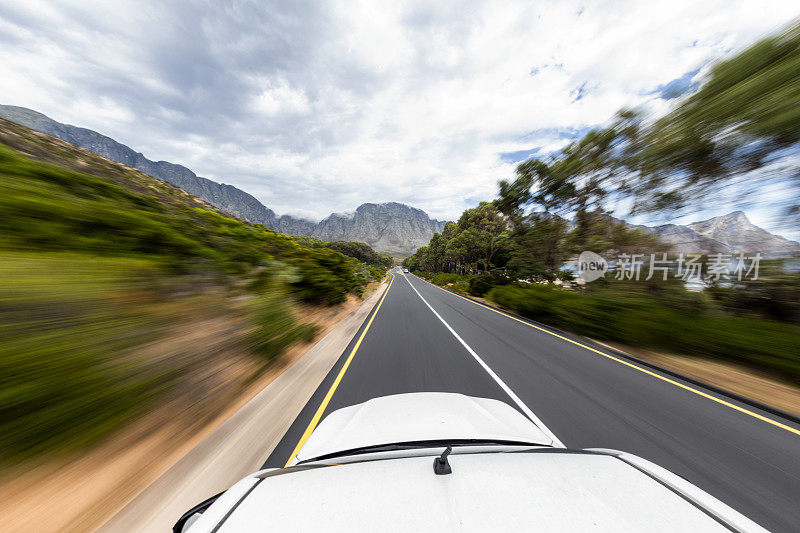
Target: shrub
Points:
(325, 276)
(442, 278)
(376, 272)
(361, 251)
(81, 258)
(276, 327)
(482, 283)
(642, 321)
(66, 320)
(46, 207)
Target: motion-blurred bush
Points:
(670, 322)
(120, 294)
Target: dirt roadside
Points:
(733, 377)
(240, 444)
(84, 493)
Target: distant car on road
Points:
(405, 270)
(441, 462)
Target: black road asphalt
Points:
(586, 399)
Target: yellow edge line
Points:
(631, 365)
(314, 421)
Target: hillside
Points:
(119, 292)
(226, 197)
(391, 227)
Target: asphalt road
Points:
(586, 399)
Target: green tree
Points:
(483, 229)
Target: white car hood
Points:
(548, 492)
(419, 416)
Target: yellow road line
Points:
(315, 420)
(631, 365)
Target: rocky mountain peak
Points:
(736, 219)
(731, 233)
(389, 227)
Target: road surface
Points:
(423, 338)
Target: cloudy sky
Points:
(316, 107)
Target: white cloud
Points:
(316, 108)
(279, 98)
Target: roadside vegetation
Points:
(377, 263)
(100, 266)
(733, 133)
(667, 322)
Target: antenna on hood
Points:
(441, 465)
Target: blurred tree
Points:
(742, 119)
(745, 117)
(538, 247)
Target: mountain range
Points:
(393, 228)
(728, 234)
